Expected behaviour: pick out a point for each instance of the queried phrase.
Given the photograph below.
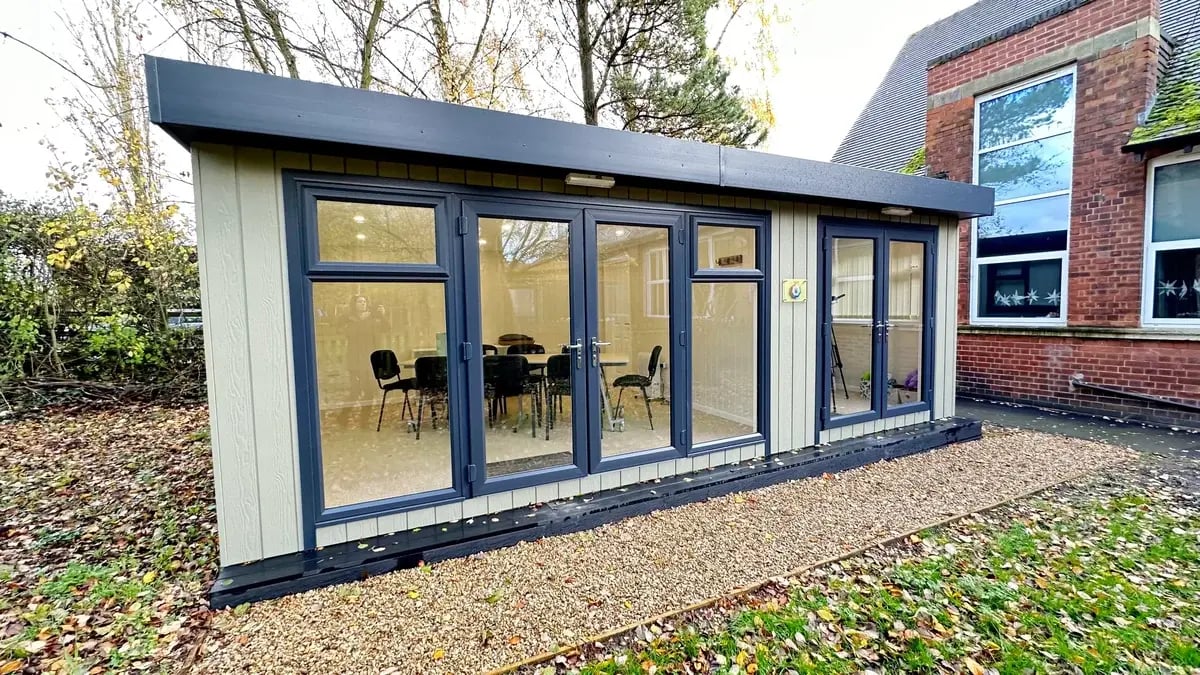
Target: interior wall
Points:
(249, 347)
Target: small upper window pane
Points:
(726, 248)
(1042, 110)
(1027, 169)
(1177, 202)
(375, 233)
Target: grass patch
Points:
(1096, 583)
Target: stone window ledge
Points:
(1087, 332)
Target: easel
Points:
(837, 360)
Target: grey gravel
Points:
(499, 607)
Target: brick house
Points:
(1083, 290)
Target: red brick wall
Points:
(1037, 369)
(1093, 18)
(1107, 220)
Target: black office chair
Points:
(531, 348)
(558, 385)
(432, 387)
(490, 350)
(386, 367)
(641, 382)
(505, 376)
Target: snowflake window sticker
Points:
(1053, 297)
(1167, 288)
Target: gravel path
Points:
(499, 607)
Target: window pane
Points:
(1020, 289)
(1177, 202)
(1028, 169)
(852, 335)
(724, 360)
(1177, 284)
(906, 314)
(726, 247)
(1041, 110)
(525, 293)
(375, 233)
(353, 320)
(633, 364)
(1025, 227)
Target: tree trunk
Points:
(368, 48)
(445, 59)
(587, 77)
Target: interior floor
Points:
(856, 402)
(361, 464)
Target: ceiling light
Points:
(896, 211)
(619, 233)
(360, 236)
(590, 180)
(360, 218)
(482, 241)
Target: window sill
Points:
(1089, 332)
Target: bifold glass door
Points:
(876, 322)
(572, 339)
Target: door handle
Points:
(577, 347)
(596, 345)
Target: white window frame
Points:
(1064, 255)
(657, 286)
(1151, 248)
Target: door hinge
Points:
(682, 437)
(470, 473)
(681, 234)
(467, 352)
(683, 338)
(461, 223)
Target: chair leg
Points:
(407, 406)
(382, 403)
(617, 408)
(649, 413)
(420, 413)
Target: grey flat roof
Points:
(197, 103)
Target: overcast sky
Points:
(832, 55)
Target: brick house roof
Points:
(890, 130)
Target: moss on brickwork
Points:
(1176, 111)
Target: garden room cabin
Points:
(421, 319)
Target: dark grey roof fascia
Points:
(200, 103)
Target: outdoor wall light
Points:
(896, 211)
(590, 180)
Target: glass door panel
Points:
(634, 336)
(905, 327)
(525, 281)
(851, 328)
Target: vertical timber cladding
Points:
(243, 273)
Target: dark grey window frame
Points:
(301, 189)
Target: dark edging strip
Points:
(356, 560)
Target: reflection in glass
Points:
(351, 321)
(852, 278)
(375, 233)
(906, 316)
(1025, 227)
(725, 247)
(1028, 169)
(1177, 284)
(1042, 110)
(724, 360)
(1020, 289)
(525, 300)
(1177, 202)
(635, 320)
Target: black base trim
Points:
(294, 573)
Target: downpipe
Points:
(1078, 381)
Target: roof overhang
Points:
(197, 103)
(1165, 143)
